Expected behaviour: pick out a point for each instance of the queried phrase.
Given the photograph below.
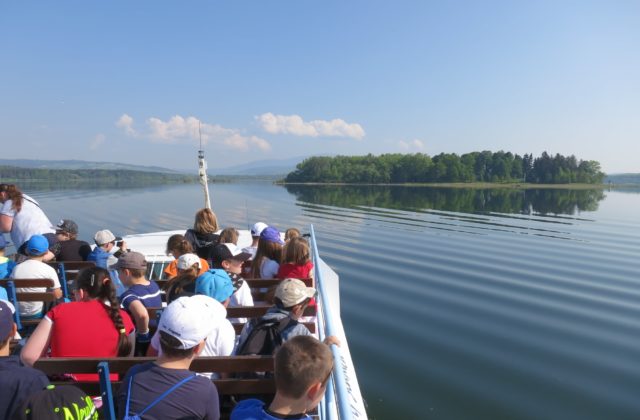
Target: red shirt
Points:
(295, 271)
(85, 329)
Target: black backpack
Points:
(265, 336)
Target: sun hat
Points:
(228, 251)
(104, 237)
(188, 320)
(131, 260)
(271, 234)
(37, 245)
(186, 261)
(215, 283)
(257, 229)
(68, 226)
(6, 319)
(293, 291)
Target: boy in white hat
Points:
(184, 325)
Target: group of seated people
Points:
(108, 316)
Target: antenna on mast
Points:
(202, 171)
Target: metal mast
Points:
(202, 172)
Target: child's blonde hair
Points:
(291, 233)
(296, 251)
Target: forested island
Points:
(483, 167)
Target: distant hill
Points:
(83, 165)
(260, 167)
(622, 178)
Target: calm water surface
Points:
(458, 304)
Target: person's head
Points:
(229, 257)
(269, 246)
(257, 229)
(95, 283)
(205, 221)
(303, 366)
(291, 233)
(216, 284)
(178, 245)
(183, 327)
(296, 251)
(229, 236)
(66, 230)
(105, 239)
(188, 264)
(131, 266)
(293, 295)
(7, 326)
(37, 246)
(11, 192)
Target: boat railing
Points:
(336, 402)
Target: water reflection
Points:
(464, 200)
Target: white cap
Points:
(257, 229)
(186, 261)
(293, 291)
(188, 319)
(104, 237)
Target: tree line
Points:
(483, 166)
(73, 176)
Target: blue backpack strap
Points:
(160, 398)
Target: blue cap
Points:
(3, 242)
(215, 283)
(37, 245)
(271, 234)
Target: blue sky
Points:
(129, 81)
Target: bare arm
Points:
(38, 343)
(140, 316)
(6, 223)
(57, 293)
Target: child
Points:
(37, 248)
(303, 366)
(6, 264)
(256, 230)
(140, 295)
(184, 284)
(230, 258)
(184, 326)
(267, 261)
(177, 245)
(290, 234)
(296, 262)
(229, 236)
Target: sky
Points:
(136, 81)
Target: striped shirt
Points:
(148, 295)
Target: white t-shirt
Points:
(268, 268)
(33, 269)
(29, 221)
(251, 250)
(242, 297)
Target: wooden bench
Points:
(68, 272)
(108, 389)
(16, 296)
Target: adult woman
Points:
(92, 326)
(177, 246)
(203, 236)
(22, 216)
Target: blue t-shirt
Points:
(6, 267)
(148, 295)
(3, 294)
(253, 409)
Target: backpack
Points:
(154, 402)
(265, 336)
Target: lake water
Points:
(458, 304)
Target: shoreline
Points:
(474, 185)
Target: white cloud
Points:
(412, 145)
(295, 125)
(126, 122)
(178, 129)
(97, 141)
